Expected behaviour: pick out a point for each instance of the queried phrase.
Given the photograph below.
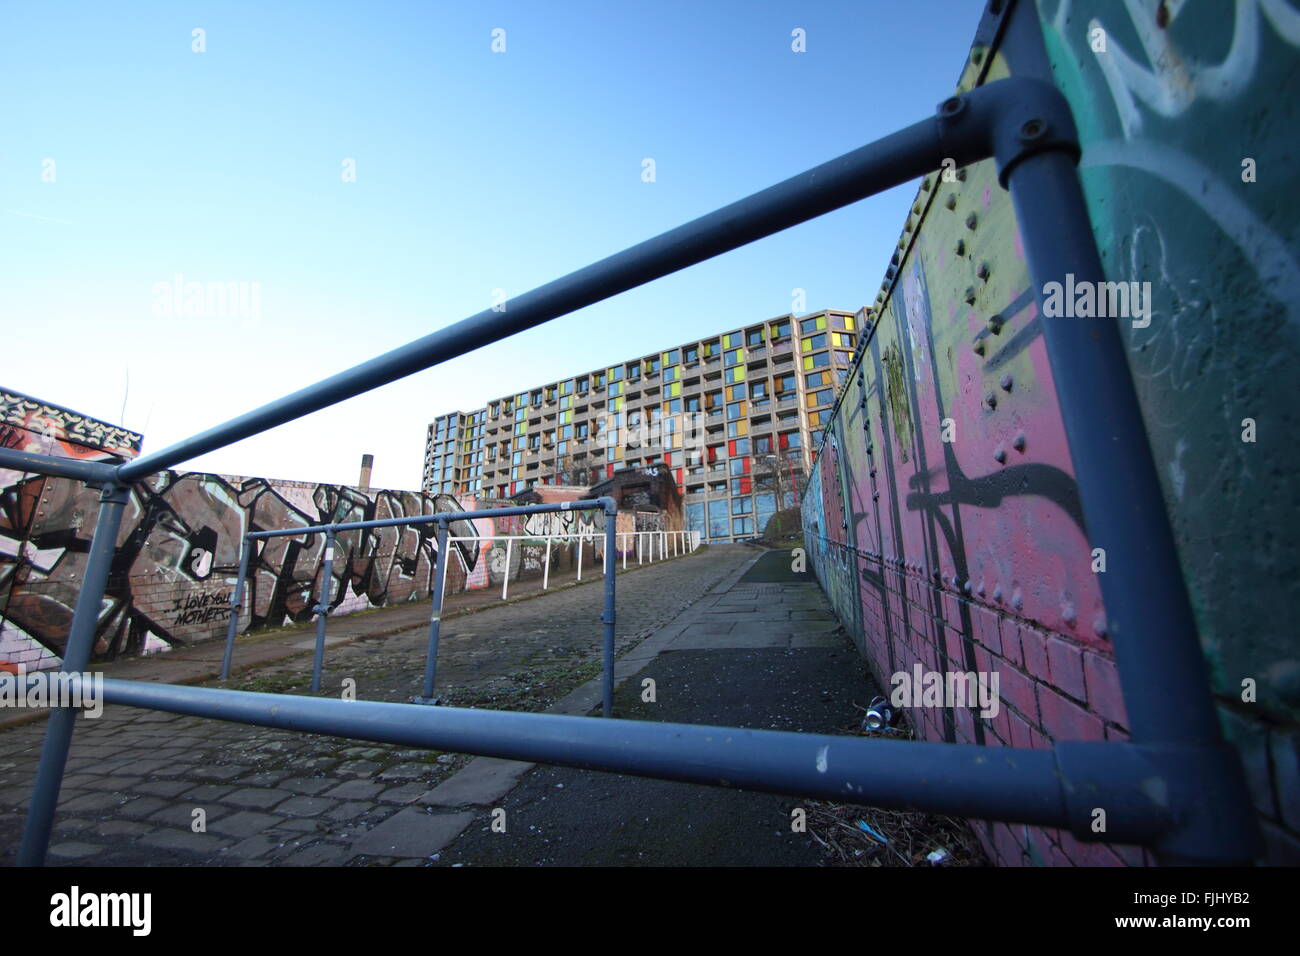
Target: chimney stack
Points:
(367, 462)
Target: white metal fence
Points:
(645, 546)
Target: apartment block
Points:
(732, 417)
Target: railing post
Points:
(322, 611)
(236, 606)
(639, 538)
(579, 557)
(608, 617)
(505, 578)
(624, 551)
(435, 617)
(76, 657)
(546, 568)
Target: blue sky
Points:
(474, 171)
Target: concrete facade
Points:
(729, 416)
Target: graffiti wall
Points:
(942, 515)
(1191, 173)
(178, 549)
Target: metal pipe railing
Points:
(88, 471)
(982, 782)
(1025, 126)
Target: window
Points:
(825, 397)
(820, 360)
(616, 373)
(754, 338)
(735, 410)
(763, 445)
(789, 440)
(692, 354)
(674, 357)
(735, 357)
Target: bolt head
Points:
(1033, 129)
(952, 106)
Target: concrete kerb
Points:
(205, 671)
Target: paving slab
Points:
(412, 832)
(484, 781)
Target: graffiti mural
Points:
(942, 515)
(178, 553)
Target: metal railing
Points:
(1176, 786)
(442, 520)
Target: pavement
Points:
(728, 635)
